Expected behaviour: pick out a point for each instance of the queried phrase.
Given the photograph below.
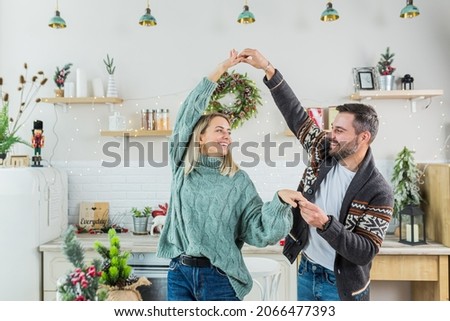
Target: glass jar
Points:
(145, 118)
(162, 119)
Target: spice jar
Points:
(145, 117)
(162, 119)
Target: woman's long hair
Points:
(228, 167)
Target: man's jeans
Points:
(187, 283)
(315, 283)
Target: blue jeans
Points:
(187, 283)
(315, 283)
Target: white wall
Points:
(160, 64)
(156, 67)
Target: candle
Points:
(410, 236)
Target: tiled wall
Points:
(127, 187)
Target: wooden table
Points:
(426, 266)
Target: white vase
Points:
(112, 89)
(386, 82)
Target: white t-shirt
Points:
(329, 198)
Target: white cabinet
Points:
(55, 265)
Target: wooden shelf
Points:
(396, 94)
(135, 133)
(82, 100)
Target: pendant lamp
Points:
(246, 17)
(57, 22)
(410, 10)
(329, 14)
(147, 20)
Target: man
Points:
(341, 222)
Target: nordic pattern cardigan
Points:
(366, 209)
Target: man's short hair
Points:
(366, 118)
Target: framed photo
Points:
(364, 78)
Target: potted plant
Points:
(110, 68)
(117, 276)
(60, 78)
(140, 219)
(9, 126)
(385, 70)
(405, 179)
(82, 284)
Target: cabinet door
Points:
(55, 266)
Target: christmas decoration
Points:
(117, 276)
(83, 283)
(162, 210)
(385, 62)
(9, 126)
(116, 271)
(61, 75)
(405, 180)
(247, 97)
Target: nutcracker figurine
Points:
(37, 141)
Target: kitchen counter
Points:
(425, 266)
(148, 243)
(139, 243)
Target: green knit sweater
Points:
(213, 215)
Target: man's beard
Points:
(343, 151)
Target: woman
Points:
(214, 206)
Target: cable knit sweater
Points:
(213, 215)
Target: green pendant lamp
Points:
(57, 22)
(147, 20)
(329, 14)
(410, 11)
(246, 17)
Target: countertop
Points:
(148, 243)
(139, 243)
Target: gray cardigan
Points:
(366, 209)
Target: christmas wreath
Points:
(247, 97)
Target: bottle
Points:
(117, 122)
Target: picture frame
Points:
(364, 78)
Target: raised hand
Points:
(232, 60)
(254, 57)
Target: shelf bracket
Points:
(413, 101)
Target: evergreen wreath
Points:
(247, 97)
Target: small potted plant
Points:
(117, 276)
(140, 219)
(386, 70)
(405, 180)
(110, 68)
(60, 78)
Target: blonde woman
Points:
(214, 207)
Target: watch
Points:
(326, 224)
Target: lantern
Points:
(412, 226)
